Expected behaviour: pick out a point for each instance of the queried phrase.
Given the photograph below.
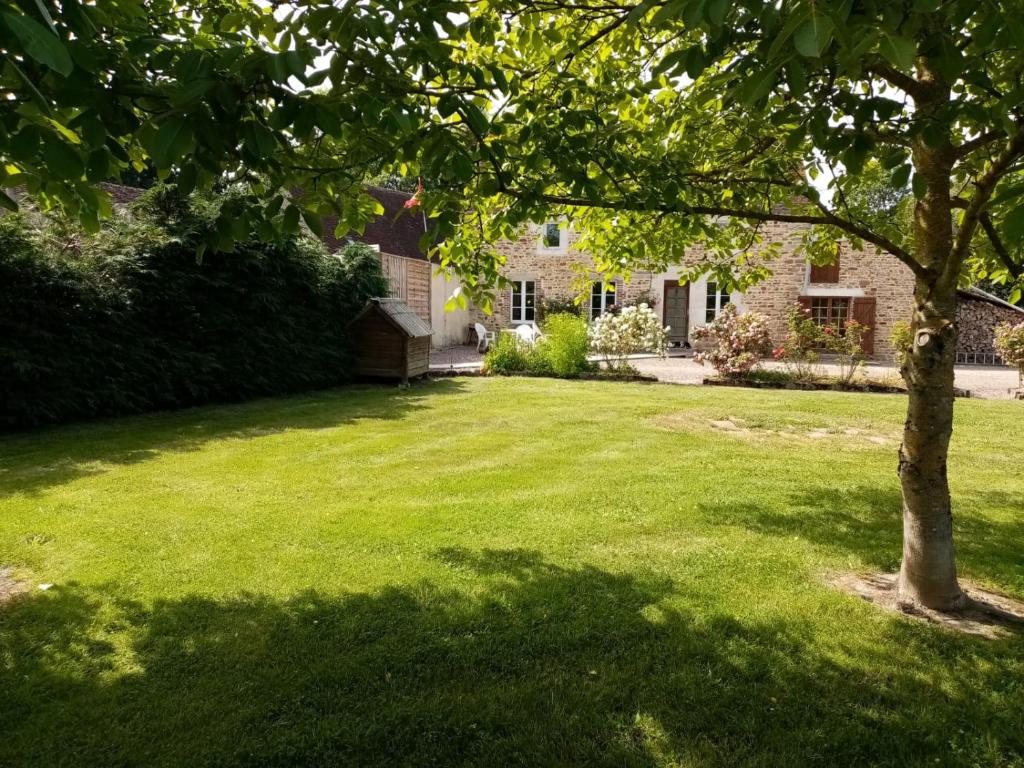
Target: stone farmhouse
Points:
(871, 287)
(543, 266)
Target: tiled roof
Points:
(976, 293)
(397, 231)
(400, 315)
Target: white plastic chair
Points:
(528, 333)
(484, 338)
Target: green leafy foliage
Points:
(128, 321)
(509, 354)
(901, 338)
(565, 344)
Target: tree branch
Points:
(984, 185)
(897, 79)
(826, 218)
(976, 143)
(1015, 269)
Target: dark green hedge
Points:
(129, 320)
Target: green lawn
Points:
(497, 572)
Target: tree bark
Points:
(928, 570)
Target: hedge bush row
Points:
(130, 320)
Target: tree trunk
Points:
(928, 570)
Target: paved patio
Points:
(993, 383)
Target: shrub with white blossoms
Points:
(1009, 343)
(617, 335)
(738, 342)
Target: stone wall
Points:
(976, 321)
(861, 273)
(559, 273)
(562, 272)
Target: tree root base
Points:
(987, 614)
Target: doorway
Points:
(676, 314)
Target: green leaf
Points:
(98, 167)
(716, 11)
(313, 222)
(813, 36)
(898, 51)
(172, 140)
(187, 179)
(901, 176)
(62, 160)
(290, 221)
(90, 221)
(476, 118)
(757, 85)
(670, 62)
(40, 43)
(1013, 225)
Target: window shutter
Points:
(825, 274)
(863, 311)
(805, 302)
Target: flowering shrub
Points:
(1009, 342)
(738, 342)
(800, 351)
(631, 330)
(848, 347)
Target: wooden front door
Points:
(676, 312)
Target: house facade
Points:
(864, 285)
(544, 266)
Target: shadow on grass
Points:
(52, 456)
(541, 665)
(866, 521)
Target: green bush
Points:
(129, 321)
(565, 345)
(509, 354)
(901, 339)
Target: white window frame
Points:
(563, 238)
(523, 293)
(604, 297)
(719, 304)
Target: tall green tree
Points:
(658, 124)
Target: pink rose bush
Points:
(738, 342)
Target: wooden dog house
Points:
(390, 341)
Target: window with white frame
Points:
(552, 236)
(602, 298)
(716, 301)
(524, 300)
